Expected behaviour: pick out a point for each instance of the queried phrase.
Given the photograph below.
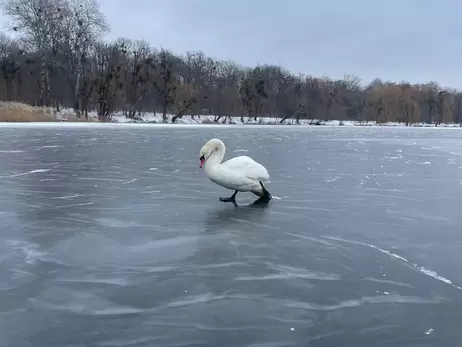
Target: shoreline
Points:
(16, 114)
(201, 125)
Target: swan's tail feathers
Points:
(266, 194)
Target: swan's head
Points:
(208, 149)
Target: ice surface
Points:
(111, 235)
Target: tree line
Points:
(56, 58)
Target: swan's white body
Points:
(242, 174)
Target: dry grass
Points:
(19, 112)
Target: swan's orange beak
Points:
(202, 159)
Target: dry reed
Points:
(19, 112)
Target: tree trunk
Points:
(77, 95)
(164, 112)
(43, 79)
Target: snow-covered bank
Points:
(150, 118)
(113, 125)
(15, 113)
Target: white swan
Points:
(241, 174)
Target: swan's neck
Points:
(215, 158)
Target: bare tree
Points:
(184, 98)
(86, 24)
(197, 70)
(164, 79)
(39, 23)
(9, 65)
(136, 76)
(108, 60)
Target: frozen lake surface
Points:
(112, 236)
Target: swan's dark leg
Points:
(265, 195)
(232, 198)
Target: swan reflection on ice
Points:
(241, 174)
(253, 215)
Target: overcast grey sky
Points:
(414, 40)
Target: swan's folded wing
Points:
(248, 167)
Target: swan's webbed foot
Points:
(232, 198)
(264, 197)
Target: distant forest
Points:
(55, 57)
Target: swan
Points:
(241, 174)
